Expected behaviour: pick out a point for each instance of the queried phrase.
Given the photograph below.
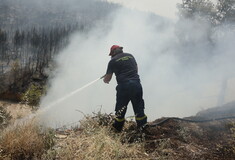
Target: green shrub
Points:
(33, 94)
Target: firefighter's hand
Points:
(107, 78)
(106, 81)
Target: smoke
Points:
(181, 65)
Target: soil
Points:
(186, 140)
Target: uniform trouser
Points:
(126, 92)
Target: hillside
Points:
(165, 138)
(48, 49)
(25, 14)
(32, 33)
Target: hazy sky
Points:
(166, 8)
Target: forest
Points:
(32, 33)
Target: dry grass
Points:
(5, 117)
(95, 141)
(24, 141)
(16, 110)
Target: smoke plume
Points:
(182, 65)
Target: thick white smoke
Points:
(181, 71)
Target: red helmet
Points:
(113, 48)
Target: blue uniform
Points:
(124, 66)
(129, 88)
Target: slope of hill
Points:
(94, 139)
(29, 13)
(33, 32)
(220, 111)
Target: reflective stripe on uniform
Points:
(140, 118)
(120, 119)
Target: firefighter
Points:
(129, 88)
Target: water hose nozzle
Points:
(102, 76)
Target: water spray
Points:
(69, 95)
(47, 107)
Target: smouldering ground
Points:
(172, 140)
(95, 139)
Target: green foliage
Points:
(192, 7)
(48, 138)
(223, 11)
(226, 10)
(33, 94)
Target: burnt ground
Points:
(182, 140)
(178, 139)
(175, 138)
(210, 135)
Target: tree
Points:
(223, 11)
(19, 38)
(226, 11)
(3, 45)
(193, 8)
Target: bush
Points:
(33, 94)
(96, 140)
(4, 117)
(25, 141)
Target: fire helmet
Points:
(113, 48)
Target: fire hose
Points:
(188, 120)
